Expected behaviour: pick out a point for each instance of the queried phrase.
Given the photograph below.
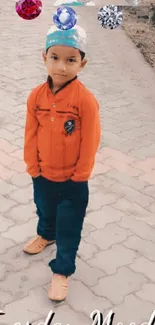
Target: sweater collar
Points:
(50, 83)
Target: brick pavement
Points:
(116, 259)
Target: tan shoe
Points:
(37, 245)
(58, 288)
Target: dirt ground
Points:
(140, 30)
(146, 2)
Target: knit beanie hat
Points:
(74, 37)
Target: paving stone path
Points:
(116, 259)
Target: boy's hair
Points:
(81, 53)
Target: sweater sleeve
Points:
(90, 139)
(30, 140)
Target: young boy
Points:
(62, 135)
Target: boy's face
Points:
(63, 63)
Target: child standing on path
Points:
(62, 136)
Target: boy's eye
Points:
(54, 57)
(71, 60)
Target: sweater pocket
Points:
(72, 141)
(70, 137)
(71, 148)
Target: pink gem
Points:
(28, 9)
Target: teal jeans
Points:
(61, 208)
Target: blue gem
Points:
(65, 18)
